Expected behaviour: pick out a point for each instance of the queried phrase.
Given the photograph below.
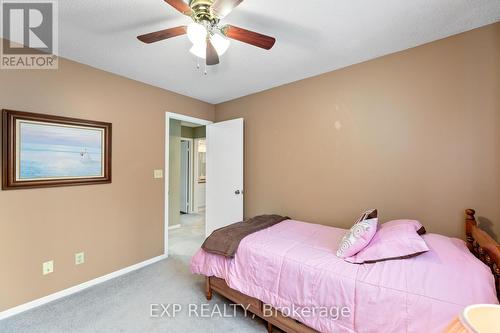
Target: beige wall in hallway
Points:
(193, 132)
(117, 225)
(415, 134)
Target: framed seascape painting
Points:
(45, 151)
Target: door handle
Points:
(238, 192)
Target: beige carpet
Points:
(123, 304)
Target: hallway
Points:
(187, 239)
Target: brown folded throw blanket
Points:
(225, 241)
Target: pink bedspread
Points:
(292, 265)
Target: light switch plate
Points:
(79, 258)
(48, 267)
(158, 174)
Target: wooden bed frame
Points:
(479, 243)
(483, 246)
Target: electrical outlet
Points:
(79, 258)
(158, 174)
(48, 267)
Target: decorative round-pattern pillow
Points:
(360, 234)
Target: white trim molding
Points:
(188, 119)
(191, 174)
(172, 227)
(181, 117)
(66, 292)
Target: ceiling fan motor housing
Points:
(202, 11)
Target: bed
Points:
(289, 275)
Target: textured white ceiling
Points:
(313, 37)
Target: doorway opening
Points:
(185, 184)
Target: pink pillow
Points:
(359, 235)
(419, 228)
(394, 240)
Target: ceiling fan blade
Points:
(222, 8)
(249, 37)
(162, 34)
(212, 56)
(181, 6)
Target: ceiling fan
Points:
(210, 40)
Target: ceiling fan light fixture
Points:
(196, 33)
(220, 44)
(209, 39)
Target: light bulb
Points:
(197, 33)
(220, 43)
(199, 50)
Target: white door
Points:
(224, 187)
(184, 177)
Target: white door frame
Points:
(181, 117)
(190, 173)
(195, 173)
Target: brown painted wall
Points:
(117, 225)
(415, 134)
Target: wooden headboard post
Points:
(470, 222)
(483, 246)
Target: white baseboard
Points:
(172, 227)
(66, 292)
